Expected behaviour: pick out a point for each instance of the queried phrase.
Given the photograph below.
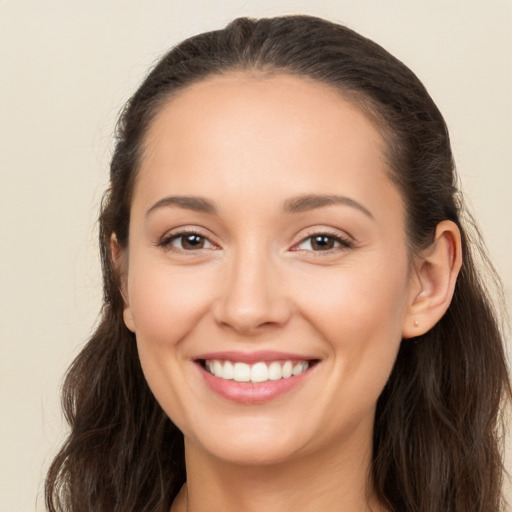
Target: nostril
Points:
(251, 298)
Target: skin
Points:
(248, 144)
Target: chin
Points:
(256, 454)
(259, 445)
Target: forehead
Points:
(242, 133)
(263, 102)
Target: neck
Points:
(331, 481)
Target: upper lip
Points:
(254, 357)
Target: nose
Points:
(252, 297)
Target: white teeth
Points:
(287, 369)
(299, 368)
(242, 372)
(217, 368)
(274, 371)
(228, 371)
(258, 372)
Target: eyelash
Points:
(344, 242)
(166, 242)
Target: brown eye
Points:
(191, 241)
(186, 241)
(323, 242)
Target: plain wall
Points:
(67, 67)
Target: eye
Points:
(186, 241)
(323, 242)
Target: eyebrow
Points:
(308, 202)
(197, 204)
(296, 204)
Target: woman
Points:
(292, 317)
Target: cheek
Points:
(354, 300)
(166, 302)
(359, 312)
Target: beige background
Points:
(67, 67)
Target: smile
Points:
(254, 377)
(255, 373)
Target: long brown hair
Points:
(438, 421)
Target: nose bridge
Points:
(252, 294)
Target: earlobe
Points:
(128, 318)
(118, 256)
(435, 276)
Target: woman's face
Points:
(268, 278)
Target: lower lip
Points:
(250, 392)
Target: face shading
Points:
(267, 274)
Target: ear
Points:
(118, 256)
(433, 281)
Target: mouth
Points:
(254, 378)
(261, 371)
